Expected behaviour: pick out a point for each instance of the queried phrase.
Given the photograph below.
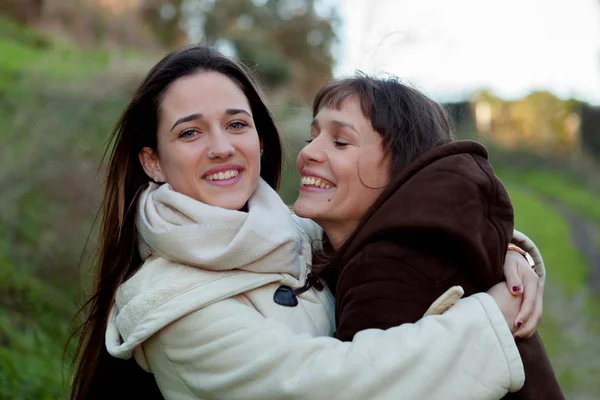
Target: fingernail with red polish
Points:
(519, 324)
(517, 337)
(516, 288)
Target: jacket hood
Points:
(450, 199)
(181, 229)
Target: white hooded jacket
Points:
(200, 315)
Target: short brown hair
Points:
(409, 122)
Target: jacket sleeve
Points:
(444, 229)
(521, 240)
(230, 351)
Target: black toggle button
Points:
(285, 296)
(288, 297)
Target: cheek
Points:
(344, 168)
(182, 160)
(364, 178)
(252, 146)
(248, 147)
(373, 169)
(299, 163)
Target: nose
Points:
(313, 151)
(221, 146)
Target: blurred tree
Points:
(164, 18)
(540, 120)
(590, 129)
(116, 23)
(287, 41)
(24, 11)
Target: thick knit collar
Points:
(181, 229)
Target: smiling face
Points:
(207, 144)
(343, 170)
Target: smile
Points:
(314, 182)
(223, 176)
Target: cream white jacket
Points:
(200, 316)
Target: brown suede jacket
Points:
(445, 220)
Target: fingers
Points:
(511, 273)
(508, 304)
(531, 326)
(531, 285)
(527, 307)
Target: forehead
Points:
(348, 110)
(203, 92)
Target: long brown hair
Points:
(97, 374)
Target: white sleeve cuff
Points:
(521, 240)
(505, 337)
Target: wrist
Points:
(516, 249)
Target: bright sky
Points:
(450, 48)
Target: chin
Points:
(231, 206)
(234, 203)
(305, 210)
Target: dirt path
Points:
(586, 237)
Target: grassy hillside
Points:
(54, 123)
(571, 327)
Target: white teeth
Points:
(316, 182)
(220, 176)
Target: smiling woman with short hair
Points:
(408, 214)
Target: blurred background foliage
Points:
(67, 68)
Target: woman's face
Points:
(208, 146)
(342, 170)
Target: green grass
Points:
(550, 232)
(559, 186)
(27, 54)
(570, 327)
(50, 146)
(21, 33)
(55, 123)
(20, 61)
(33, 326)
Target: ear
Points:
(262, 145)
(151, 164)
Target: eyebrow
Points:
(340, 124)
(233, 111)
(192, 117)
